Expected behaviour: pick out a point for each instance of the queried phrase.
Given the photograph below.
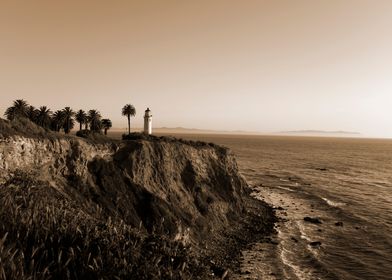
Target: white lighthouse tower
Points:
(147, 122)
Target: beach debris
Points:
(321, 169)
(339, 224)
(315, 244)
(312, 220)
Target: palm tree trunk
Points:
(106, 131)
(80, 126)
(129, 124)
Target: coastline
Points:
(305, 234)
(277, 258)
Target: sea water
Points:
(345, 183)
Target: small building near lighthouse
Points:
(147, 122)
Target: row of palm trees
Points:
(60, 119)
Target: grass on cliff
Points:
(24, 127)
(44, 235)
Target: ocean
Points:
(344, 188)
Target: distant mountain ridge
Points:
(321, 132)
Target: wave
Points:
(295, 269)
(285, 188)
(333, 203)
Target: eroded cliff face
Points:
(181, 188)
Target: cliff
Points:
(184, 195)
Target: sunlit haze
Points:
(262, 66)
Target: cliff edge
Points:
(147, 208)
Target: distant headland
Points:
(322, 132)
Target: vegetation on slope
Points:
(44, 235)
(24, 127)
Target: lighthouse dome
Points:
(147, 113)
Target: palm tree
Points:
(18, 109)
(68, 119)
(32, 113)
(44, 116)
(58, 120)
(128, 110)
(10, 113)
(94, 118)
(106, 124)
(81, 118)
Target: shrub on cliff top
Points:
(136, 136)
(94, 136)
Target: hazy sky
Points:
(233, 65)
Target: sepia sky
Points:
(212, 64)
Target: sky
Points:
(266, 66)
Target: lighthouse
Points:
(147, 122)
